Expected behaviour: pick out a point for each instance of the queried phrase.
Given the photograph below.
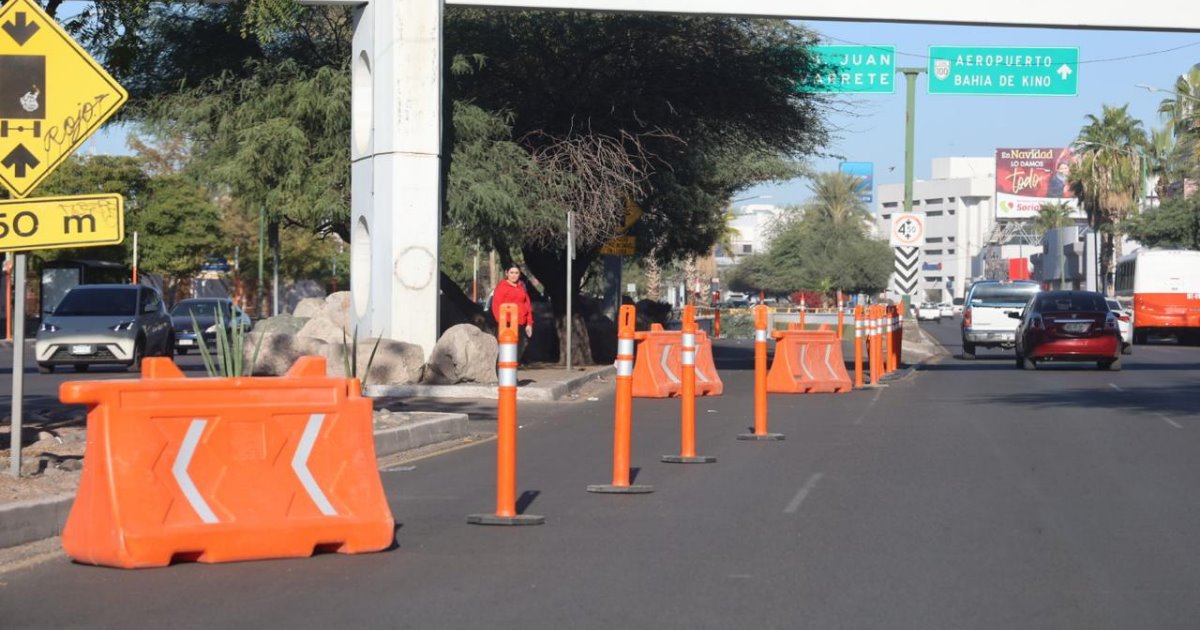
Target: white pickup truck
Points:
(986, 322)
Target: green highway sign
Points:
(853, 69)
(1003, 71)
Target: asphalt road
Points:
(968, 494)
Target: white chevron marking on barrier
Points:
(803, 363)
(300, 464)
(829, 351)
(180, 472)
(666, 353)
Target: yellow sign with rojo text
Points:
(53, 95)
(58, 222)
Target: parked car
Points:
(957, 303)
(1068, 326)
(1124, 324)
(947, 309)
(204, 312)
(929, 312)
(104, 324)
(989, 318)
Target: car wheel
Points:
(1020, 362)
(1112, 365)
(45, 369)
(168, 349)
(1139, 337)
(1028, 363)
(138, 352)
(968, 350)
(81, 367)
(181, 351)
(1126, 348)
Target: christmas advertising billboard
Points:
(1026, 179)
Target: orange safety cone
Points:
(840, 319)
(760, 380)
(859, 330)
(687, 437)
(506, 431)
(623, 420)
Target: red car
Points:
(1068, 326)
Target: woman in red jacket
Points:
(511, 290)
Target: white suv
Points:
(1123, 324)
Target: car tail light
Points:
(1123, 318)
(967, 317)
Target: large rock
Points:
(395, 362)
(280, 325)
(323, 328)
(463, 354)
(337, 309)
(276, 352)
(309, 307)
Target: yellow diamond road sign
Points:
(57, 222)
(53, 95)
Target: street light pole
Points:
(1151, 88)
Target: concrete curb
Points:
(28, 521)
(549, 391)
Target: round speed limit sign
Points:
(907, 230)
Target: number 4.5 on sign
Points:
(907, 230)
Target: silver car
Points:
(104, 324)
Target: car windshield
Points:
(1002, 293)
(1072, 303)
(98, 302)
(199, 309)
(1113, 305)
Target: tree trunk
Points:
(550, 269)
(653, 278)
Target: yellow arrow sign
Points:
(58, 222)
(53, 95)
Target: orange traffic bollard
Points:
(859, 330)
(893, 339)
(687, 437)
(506, 430)
(840, 319)
(623, 421)
(874, 344)
(716, 323)
(760, 380)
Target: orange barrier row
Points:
(656, 372)
(225, 469)
(807, 362)
(506, 429)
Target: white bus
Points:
(1161, 287)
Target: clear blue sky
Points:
(1111, 64)
(872, 130)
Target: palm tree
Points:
(1160, 160)
(1052, 216)
(838, 197)
(1181, 113)
(1108, 182)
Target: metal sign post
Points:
(18, 373)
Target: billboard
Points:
(865, 171)
(1028, 178)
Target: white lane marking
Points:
(862, 415)
(180, 472)
(794, 504)
(1169, 421)
(1114, 386)
(300, 464)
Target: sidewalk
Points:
(43, 517)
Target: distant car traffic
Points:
(1124, 324)
(205, 310)
(986, 320)
(1068, 326)
(104, 324)
(929, 312)
(947, 309)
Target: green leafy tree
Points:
(178, 228)
(1108, 182)
(1174, 224)
(1052, 216)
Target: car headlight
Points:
(47, 327)
(123, 326)
(211, 329)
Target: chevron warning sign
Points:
(904, 278)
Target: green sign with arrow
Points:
(1003, 71)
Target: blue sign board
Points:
(865, 171)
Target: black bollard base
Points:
(762, 437)
(680, 459)
(609, 488)
(492, 519)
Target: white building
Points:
(753, 225)
(960, 219)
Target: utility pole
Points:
(910, 124)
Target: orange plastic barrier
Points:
(657, 369)
(807, 362)
(224, 469)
